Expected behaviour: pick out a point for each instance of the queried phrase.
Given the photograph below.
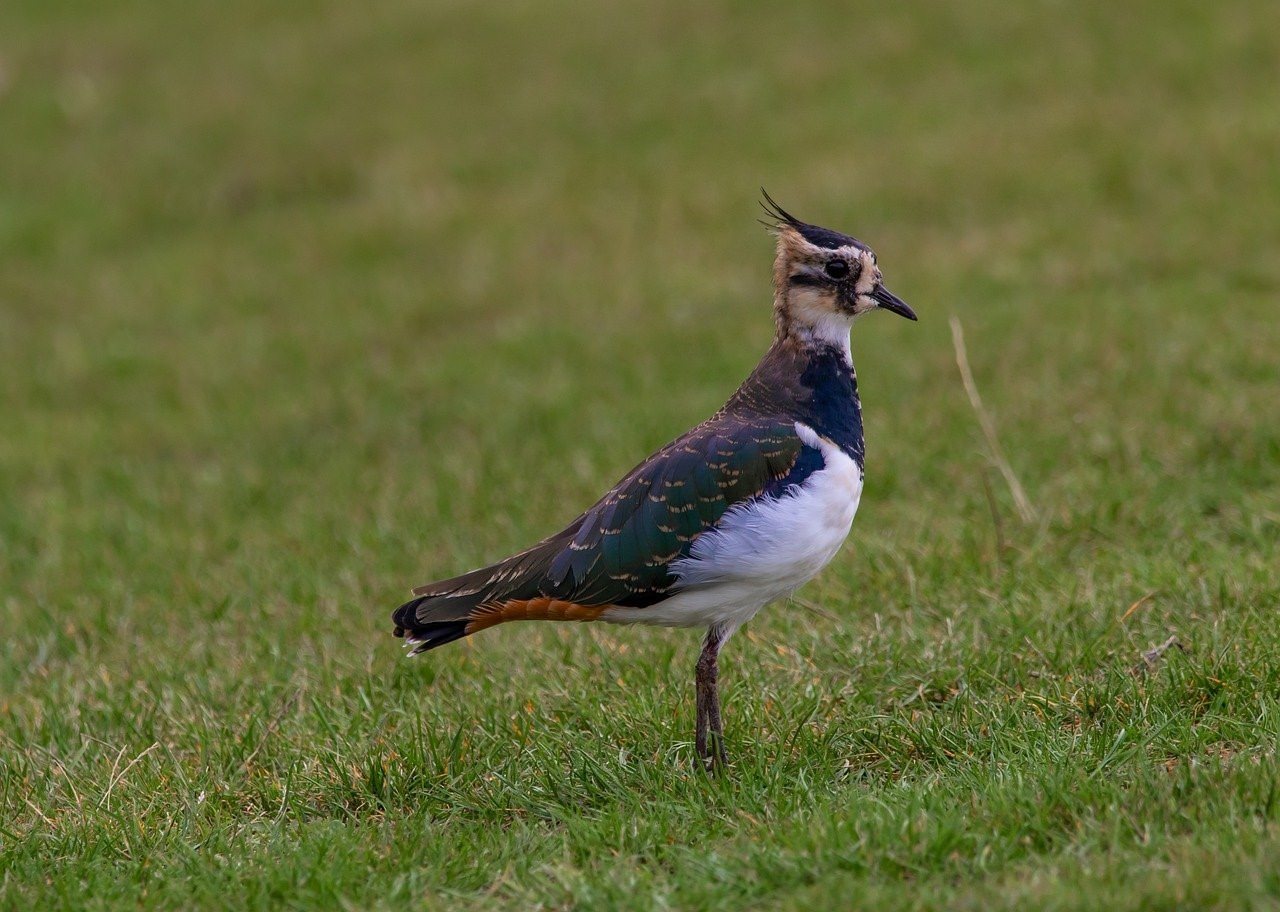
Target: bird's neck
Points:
(823, 334)
(831, 405)
(810, 378)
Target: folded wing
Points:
(620, 550)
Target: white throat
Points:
(828, 330)
(810, 318)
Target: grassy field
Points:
(302, 304)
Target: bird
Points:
(735, 514)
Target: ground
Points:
(302, 304)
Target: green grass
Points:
(302, 304)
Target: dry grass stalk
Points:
(988, 426)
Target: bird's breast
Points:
(781, 542)
(761, 550)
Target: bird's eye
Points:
(837, 269)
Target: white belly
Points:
(761, 551)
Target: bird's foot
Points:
(713, 756)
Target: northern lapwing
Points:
(733, 515)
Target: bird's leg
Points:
(710, 733)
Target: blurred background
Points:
(305, 303)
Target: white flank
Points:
(762, 550)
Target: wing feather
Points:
(619, 551)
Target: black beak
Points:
(890, 301)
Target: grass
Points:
(302, 304)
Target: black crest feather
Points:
(815, 235)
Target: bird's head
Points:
(823, 279)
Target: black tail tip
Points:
(423, 637)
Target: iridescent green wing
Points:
(622, 548)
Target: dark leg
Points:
(710, 749)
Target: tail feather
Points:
(451, 609)
(429, 636)
(430, 621)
